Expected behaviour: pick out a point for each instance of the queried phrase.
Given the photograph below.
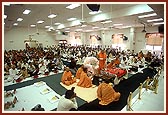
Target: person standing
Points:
(102, 56)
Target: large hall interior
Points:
(83, 57)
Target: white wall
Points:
(14, 39)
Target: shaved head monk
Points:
(106, 94)
(67, 77)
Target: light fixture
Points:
(5, 16)
(19, 19)
(71, 19)
(52, 16)
(105, 22)
(117, 24)
(47, 26)
(154, 20)
(159, 23)
(94, 12)
(40, 21)
(33, 25)
(57, 24)
(15, 24)
(147, 15)
(26, 11)
(72, 6)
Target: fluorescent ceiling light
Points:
(105, 22)
(33, 25)
(154, 20)
(40, 21)
(125, 26)
(47, 26)
(26, 11)
(95, 27)
(78, 29)
(88, 30)
(52, 16)
(5, 16)
(117, 24)
(71, 19)
(67, 31)
(159, 23)
(57, 24)
(19, 19)
(72, 6)
(95, 12)
(147, 15)
(83, 26)
(15, 24)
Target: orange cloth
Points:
(84, 81)
(111, 65)
(106, 94)
(102, 60)
(116, 61)
(67, 78)
(78, 73)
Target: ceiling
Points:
(126, 14)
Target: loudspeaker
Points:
(125, 38)
(161, 28)
(94, 7)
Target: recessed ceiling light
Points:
(15, 24)
(40, 21)
(33, 25)
(19, 19)
(83, 26)
(26, 11)
(47, 26)
(147, 15)
(117, 24)
(95, 27)
(57, 24)
(72, 6)
(52, 16)
(5, 16)
(71, 19)
(154, 20)
(95, 12)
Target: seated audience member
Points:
(23, 74)
(79, 71)
(68, 101)
(31, 68)
(42, 68)
(72, 66)
(67, 77)
(123, 63)
(85, 81)
(13, 72)
(111, 64)
(106, 94)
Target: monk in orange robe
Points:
(117, 60)
(67, 77)
(102, 56)
(84, 81)
(106, 94)
(79, 71)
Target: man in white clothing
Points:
(68, 101)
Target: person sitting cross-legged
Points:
(106, 94)
(67, 77)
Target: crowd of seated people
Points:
(44, 60)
